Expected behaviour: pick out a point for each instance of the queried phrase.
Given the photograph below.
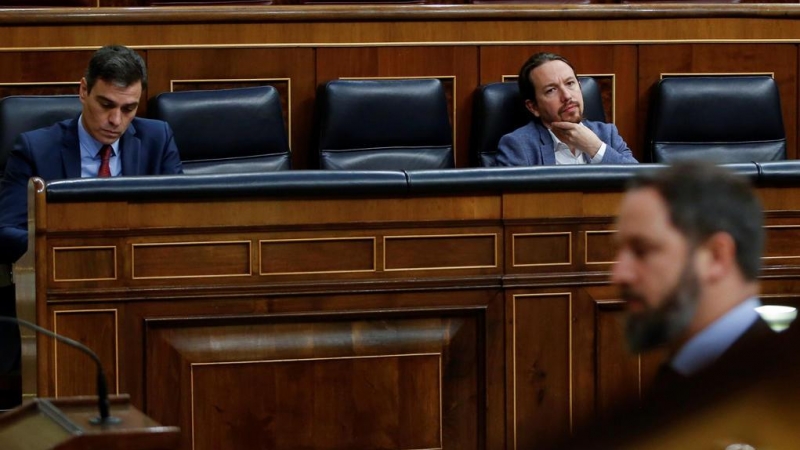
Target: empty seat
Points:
(384, 125)
(498, 110)
(21, 113)
(226, 130)
(721, 119)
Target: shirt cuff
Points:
(599, 155)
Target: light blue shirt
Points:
(90, 154)
(708, 345)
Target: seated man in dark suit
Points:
(558, 134)
(107, 139)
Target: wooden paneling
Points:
(541, 368)
(305, 256)
(191, 259)
(327, 382)
(345, 403)
(739, 58)
(438, 252)
(617, 370)
(84, 263)
(626, 72)
(600, 246)
(528, 352)
(541, 354)
(782, 244)
(74, 372)
(541, 249)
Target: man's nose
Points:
(621, 272)
(114, 117)
(566, 95)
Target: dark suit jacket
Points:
(759, 358)
(532, 145)
(53, 153)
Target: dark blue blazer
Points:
(532, 145)
(53, 153)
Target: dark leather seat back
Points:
(498, 109)
(226, 130)
(21, 113)
(721, 119)
(384, 125)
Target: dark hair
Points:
(526, 88)
(116, 64)
(704, 199)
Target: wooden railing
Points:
(397, 317)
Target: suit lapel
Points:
(129, 147)
(547, 146)
(71, 150)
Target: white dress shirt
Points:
(564, 155)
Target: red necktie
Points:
(105, 156)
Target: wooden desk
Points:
(432, 321)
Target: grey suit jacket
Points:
(532, 145)
(53, 153)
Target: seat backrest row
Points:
(404, 124)
(727, 119)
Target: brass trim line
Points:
(42, 83)
(90, 247)
(775, 227)
(410, 43)
(227, 363)
(167, 244)
(586, 246)
(568, 295)
(55, 346)
(434, 236)
(354, 238)
(514, 249)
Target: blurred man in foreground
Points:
(690, 242)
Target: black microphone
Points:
(102, 386)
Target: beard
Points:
(657, 326)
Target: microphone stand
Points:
(102, 387)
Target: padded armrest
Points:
(305, 183)
(325, 183)
(779, 173)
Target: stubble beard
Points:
(655, 327)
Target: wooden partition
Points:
(628, 48)
(382, 321)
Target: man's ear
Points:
(531, 106)
(83, 91)
(718, 257)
